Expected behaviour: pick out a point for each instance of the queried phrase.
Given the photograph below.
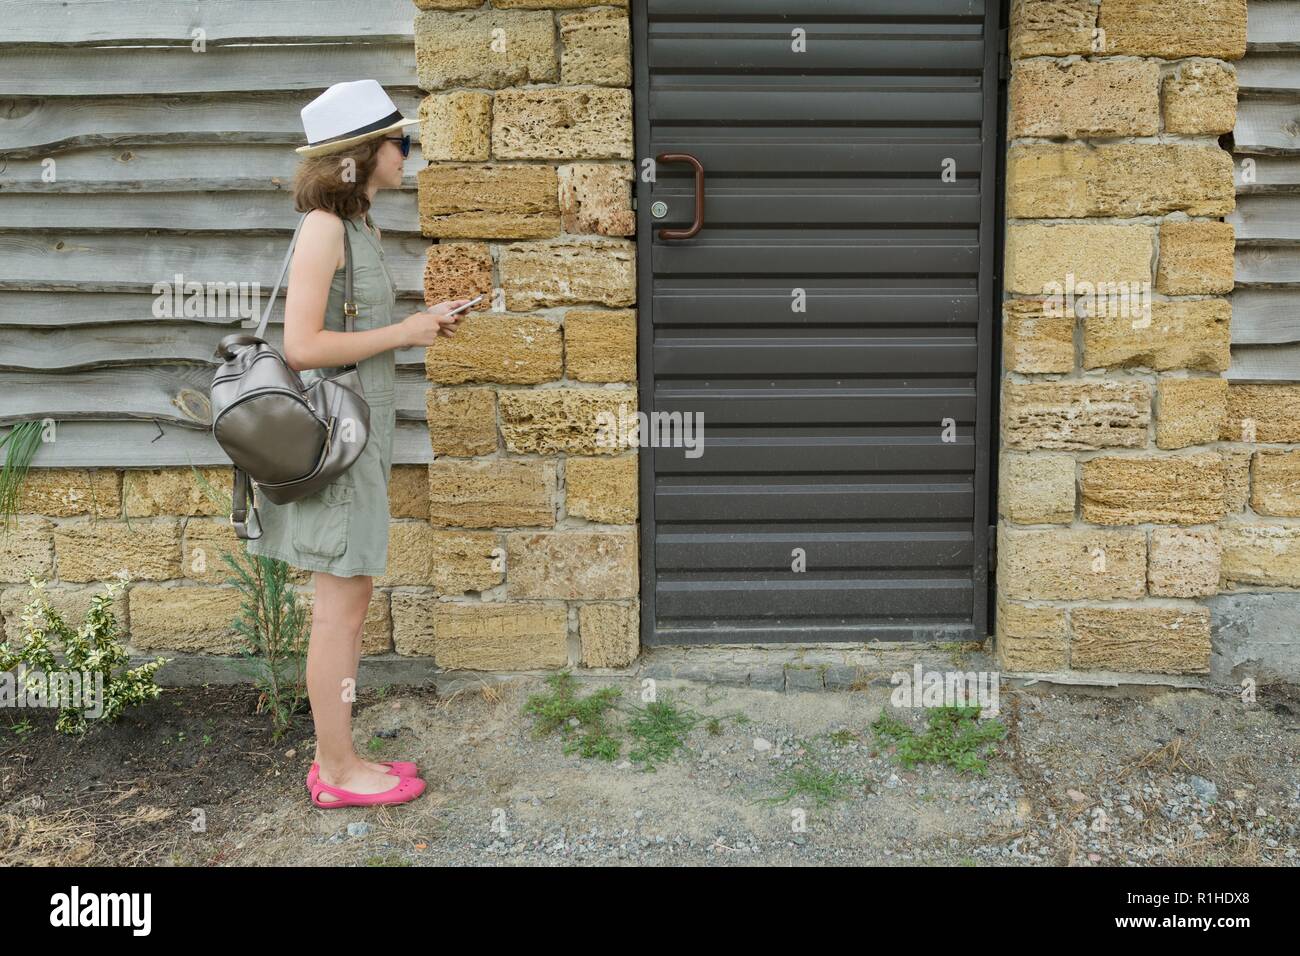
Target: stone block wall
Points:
(1135, 482)
(79, 528)
(445, 594)
(528, 195)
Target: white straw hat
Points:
(346, 114)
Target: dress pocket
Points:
(321, 525)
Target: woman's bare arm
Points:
(307, 343)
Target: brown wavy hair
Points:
(320, 181)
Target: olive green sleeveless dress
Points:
(342, 528)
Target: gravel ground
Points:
(1182, 778)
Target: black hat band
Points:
(389, 120)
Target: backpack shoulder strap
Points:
(240, 508)
(349, 306)
(284, 268)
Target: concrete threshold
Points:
(776, 667)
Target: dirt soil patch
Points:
(195, 778)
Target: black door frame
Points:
(988, 377)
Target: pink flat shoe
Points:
(406, 788)
(398, 768)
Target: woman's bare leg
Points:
(338, 613)
(356, 670)
(372, 764)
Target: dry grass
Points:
(1176, 756)
(492, 693)
(84, 837)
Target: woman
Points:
(341, 531)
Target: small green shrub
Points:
(272, 625)
(275, 632)
(93, 652)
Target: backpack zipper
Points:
(233, 375)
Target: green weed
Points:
(953, 736)
(810, 778)
(583, 721)
(660, 729)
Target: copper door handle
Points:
(698, 224)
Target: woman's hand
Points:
(422, 328)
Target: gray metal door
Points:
(831, 319)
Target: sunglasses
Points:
(404, 141)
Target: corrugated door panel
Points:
(824, 128)
(918, 11)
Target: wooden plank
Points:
(127, 444)
(1266, 175)
(249, 213)
(218, 167)
(35, 127)
(1268, 73)
(87, 347)
(178, 394)
(135, 263)
(1267, 126)
(140, 343)
(1272, 25)
(411, 392)
(63, 309)
(1268, 266)
(1265, 316)
(1260, 220)
(95, 22)
(154, 71)
(1264, 363)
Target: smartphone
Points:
(468, 305)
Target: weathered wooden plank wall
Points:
(169, 160)
(1266, 301)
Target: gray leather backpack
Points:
(290, 438)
